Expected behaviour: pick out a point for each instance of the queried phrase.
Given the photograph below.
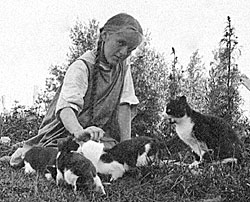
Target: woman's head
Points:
(119, 36)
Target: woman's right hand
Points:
(71, 123)
(91, 132)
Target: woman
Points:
(97, 94)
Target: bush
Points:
(19, 125)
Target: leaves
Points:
(150, 73)
(224, 97)
(194, 85)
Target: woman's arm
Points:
(71, 101)
(70, 122)
(124, 121)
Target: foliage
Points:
(21, 123)
(194, 83)
(149, 71)
(83, 37)
(224, 98)
(56, 75)
(175, 77)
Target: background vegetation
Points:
(212, 89)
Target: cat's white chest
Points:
(184, 129)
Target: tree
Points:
(224, 98)
(230, 40)
(150, 72)
(175, 77)
(194, 84)
(83, 38)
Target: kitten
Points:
(136, 152)
(211, 138)
(74, 168)
(43, 159)
(38, 159)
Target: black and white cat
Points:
(211, 138)
(74, 168)
(41, 159)
(136, 152)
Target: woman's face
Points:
(118, 46)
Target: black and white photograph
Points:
(129, 101)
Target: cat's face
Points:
(152, 153)
(176, 109)
(68, 144)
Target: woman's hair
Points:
(121, 22)
(118, 23)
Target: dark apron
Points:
(108, 94)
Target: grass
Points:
(170, 183)
(167, 183)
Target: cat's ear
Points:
(183, 98)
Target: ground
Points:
(166, 183)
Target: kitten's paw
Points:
(99, 185)
(28, 168)
(48, 176)
(59, 177)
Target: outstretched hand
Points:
(89, 133)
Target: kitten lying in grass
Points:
(75, 169)
(136, 152)
(211, 138)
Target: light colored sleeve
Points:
(128, 94)
(246, 82)
(75, 85)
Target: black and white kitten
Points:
(43, 159)
(74, 168)
(39, 159)
(211, 138)
(136, 152)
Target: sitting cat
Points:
(211, 138)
